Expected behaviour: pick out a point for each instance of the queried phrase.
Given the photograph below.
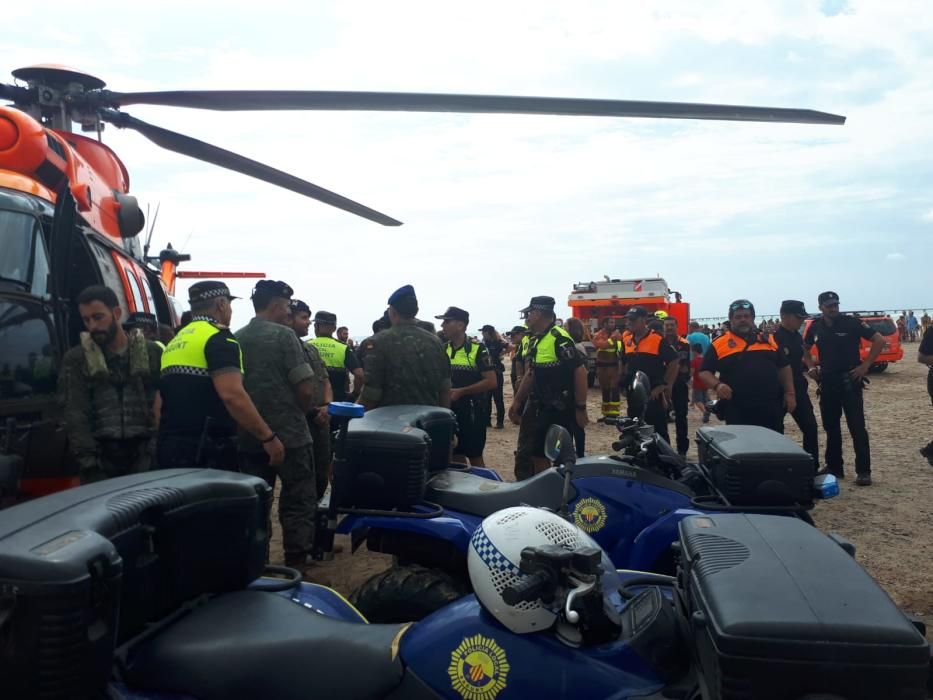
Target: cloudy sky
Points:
(498, 208)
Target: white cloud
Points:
(928, 216)
(895, 257)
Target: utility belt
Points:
(560, 402)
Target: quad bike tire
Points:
(406, 594)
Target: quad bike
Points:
(631, 502)
(149, 587)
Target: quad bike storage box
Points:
(754, 466)
(84, 570)
(388, 453)
(779, 610)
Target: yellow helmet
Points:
(661, 314)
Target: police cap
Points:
(273, 288)
(539, 304)
(637, 312)
(454, 313)
(518, 329)
(209, 289)
(140, 319)
(298, 306)
(325, 317)
(487, 327)
(828, 298)
(794, 308)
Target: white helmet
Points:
(496, 552)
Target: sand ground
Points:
(891, 522)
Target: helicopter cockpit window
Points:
(28, 366)
(24, 261)
(134, 289)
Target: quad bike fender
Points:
(654, 542)
(452, 527)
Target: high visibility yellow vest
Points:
(544, 350)
(185, 352)
(463, 358)
(332, 351)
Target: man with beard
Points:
(108, 386)
(752, 373)
(318, 417)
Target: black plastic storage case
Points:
(85, 569)
(388, 453)
(752, 466)
(779, 610)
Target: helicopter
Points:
(68, 220)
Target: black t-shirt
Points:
(926, 345)
(839, 343)
(650, 355)
(682, 348)
(495, 348)
(750, 369)
(790, 345)
(189, 400)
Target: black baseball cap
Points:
(487, 327)
(325, 317)
(793, 307)
(828, 298)
(539, 304)
(637, 312)
(209, 289)
(298, 306)
(454, 313)
(518, 329)
(273, 288)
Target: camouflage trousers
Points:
(117, 458)
(297, 498)
(525, 450)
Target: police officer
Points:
(644, 350)
(407, 364)
(518, 337)
(790, 344)
(281, 384)
(108, 388)
(201, 387)
(554, 384)
(680, 388)
(752, 373)
(472, 376)
(925, 356)
(841, 376)
(496, 347)
(318, 417)
(147, 324)
(338, 357)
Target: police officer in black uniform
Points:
(841, 376)
(790, 344)
(203, 399)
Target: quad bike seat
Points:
(475, 495)
(254, 644)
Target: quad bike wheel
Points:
(406, 594)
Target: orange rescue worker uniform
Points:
(608, 344)
(651, 355)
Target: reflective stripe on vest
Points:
(650, 344)
(730, 344)
(332, 351)
(185, 352)
(544, 351)
(466, 360)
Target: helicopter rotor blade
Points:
(233, 100)
(186, 145)
(14, 93)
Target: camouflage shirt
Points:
(274, 363)
(108, 395)
(406, 365)
(321, 378)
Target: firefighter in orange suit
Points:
(608, 342)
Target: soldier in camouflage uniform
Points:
(318, 417)
(108, 388)
(281, 383)
(406, 365)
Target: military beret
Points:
(325, 317)
(401, 293)
(273, 288)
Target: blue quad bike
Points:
(631, 503)
(151, 587)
